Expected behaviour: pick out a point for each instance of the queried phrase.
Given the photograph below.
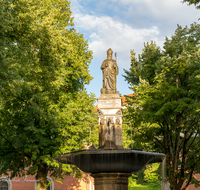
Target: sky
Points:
(125, 25)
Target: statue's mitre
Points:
(109, 51)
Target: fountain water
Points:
(110, 164)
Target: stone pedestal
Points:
(110, 121)
(111, 181)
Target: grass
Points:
(143, 187)
(138, 187)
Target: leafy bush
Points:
(150, 175)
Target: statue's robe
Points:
(110, 70)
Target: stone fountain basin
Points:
(109, 161)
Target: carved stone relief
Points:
(119, 112)
(100, 112)
(117, 121)
(102, 121)
(109, 121)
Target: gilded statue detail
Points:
(110, 71)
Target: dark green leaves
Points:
(165, 105)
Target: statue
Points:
(110, 71)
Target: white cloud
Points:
(105, 32)
(138, 21)
(163, 13)
(126, 24)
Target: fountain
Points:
(110, 164)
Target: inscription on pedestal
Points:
(112, 103)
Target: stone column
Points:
(111, 181)
(110, 121)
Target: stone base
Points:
(111, 181)
(110, 145)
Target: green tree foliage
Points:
(195, 2)
(165, 106)
(44, 109)
(150, 175)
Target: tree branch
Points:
(14, 147)
(192, 140)
(190, 177)
(159, 143)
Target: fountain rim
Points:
(115, 151)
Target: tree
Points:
(44, 109)
(165, 105)
(195, 2)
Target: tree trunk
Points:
(41, 176)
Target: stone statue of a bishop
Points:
(110, 71)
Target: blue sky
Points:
(124, 25)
